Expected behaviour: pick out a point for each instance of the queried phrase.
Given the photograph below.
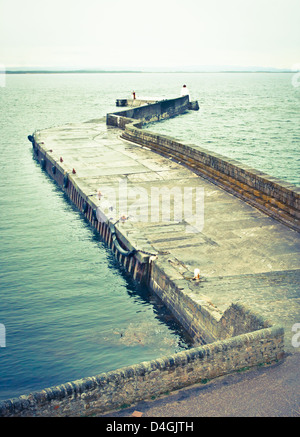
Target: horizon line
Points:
(155, 70)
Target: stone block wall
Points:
(106, 391)
(276, 198)
(149, 112)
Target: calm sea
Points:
(253, 118)
(69, 310)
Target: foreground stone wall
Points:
(106, 391)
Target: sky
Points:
(137, 34)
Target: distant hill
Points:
(175, 69)
(41, 71)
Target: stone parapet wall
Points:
(276, 198)
(149, 112)
(128, 385)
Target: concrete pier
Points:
(168, 221)
(243, 254)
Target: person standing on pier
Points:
(185, 92)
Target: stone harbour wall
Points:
(275, 197)
(128, 385)
(149, 112)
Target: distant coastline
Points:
(66, 71)
(136, 71)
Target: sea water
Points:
(253, 118)
(68, 308)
